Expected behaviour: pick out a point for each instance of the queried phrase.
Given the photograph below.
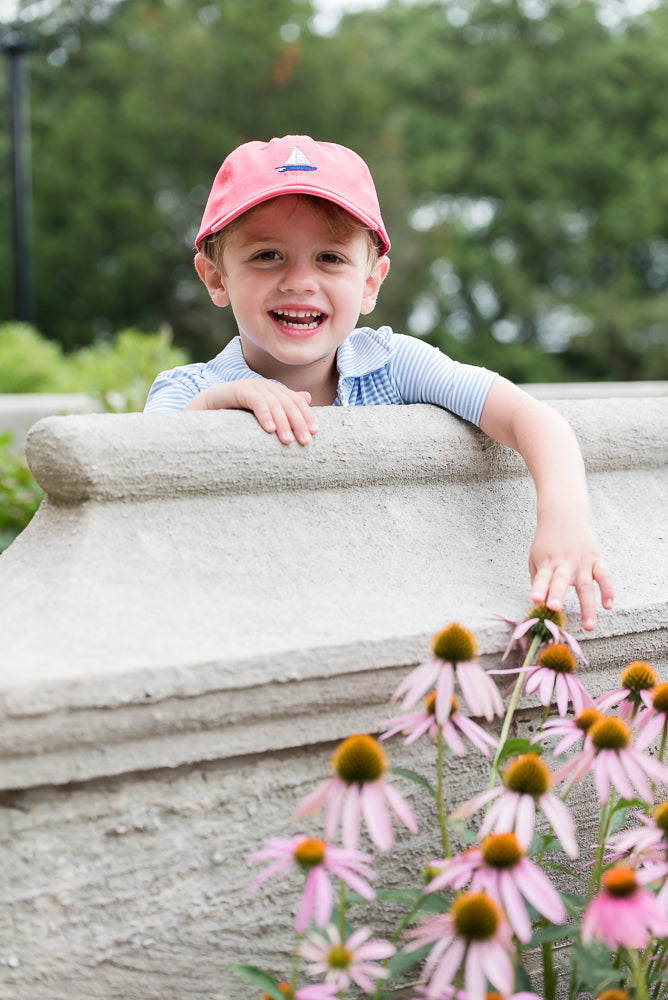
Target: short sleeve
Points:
(424, 374)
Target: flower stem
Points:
(639, 980)
(441, 804)
(549, 977)
(603, 826)
(295, 963)
(512, 705)
(342, 910)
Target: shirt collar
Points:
(363, 352)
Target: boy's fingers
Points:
(584, 587)
(540, 585)
(559, 584)
(604, 580)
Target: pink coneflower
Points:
(638, 677)
(473, 932)
(571, 730)
(624, 914)
(416, 724)
(501, 868)
(554, 671)
(608, 753)
(644, 844)
(358, 790)
(317, 860)
(654, 719)
(451, 994)
(454, 651)
(319, 991)
(546, 624)
(342, 962)
(526, 783)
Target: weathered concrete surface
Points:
(197, 612)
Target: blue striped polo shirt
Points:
(375, 367)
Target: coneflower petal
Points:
(445, 688)
(452, 738)
(376, 816)
(416, 684)
(350, 817)
(634, 768)
(475, 979)
(336, 793)
(525, 820)
(538, 890)
(400, 807)
(513, 904)
(562, 822)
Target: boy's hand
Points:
(277, 409)
(565, 552)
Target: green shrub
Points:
(119, 372)
(20, 495)
(28, 361)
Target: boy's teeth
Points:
(298, 318)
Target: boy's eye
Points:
(268, 255)
(331, 258)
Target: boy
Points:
(293, 239)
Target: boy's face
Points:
(296, 288)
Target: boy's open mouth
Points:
(298, 319)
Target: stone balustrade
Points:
(197, 614)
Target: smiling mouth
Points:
(298, 319)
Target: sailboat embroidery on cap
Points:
(296, 161)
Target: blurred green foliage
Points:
(20, 495)
(518, 148)
(118, 372)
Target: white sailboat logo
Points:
(296, 161)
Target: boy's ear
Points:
(213, 280)
(373, 283)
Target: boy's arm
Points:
(276, 408)
(564, 549)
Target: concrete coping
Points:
(144, 456)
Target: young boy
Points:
(293, 239)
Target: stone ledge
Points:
(144, 456)
(184, 563)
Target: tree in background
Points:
(518, 149)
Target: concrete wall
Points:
(198, 613)
(19, 411)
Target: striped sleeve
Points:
(424, 374)
(173, 390)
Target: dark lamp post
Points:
(15, 45)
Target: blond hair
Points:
(337, 219)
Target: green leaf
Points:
(516, 746)
(594, 968)
(407, 897)
(405, 772)
(404, 960)
(260, 978)
(553, 932)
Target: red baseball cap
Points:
(294, 164)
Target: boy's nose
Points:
(299, 277)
